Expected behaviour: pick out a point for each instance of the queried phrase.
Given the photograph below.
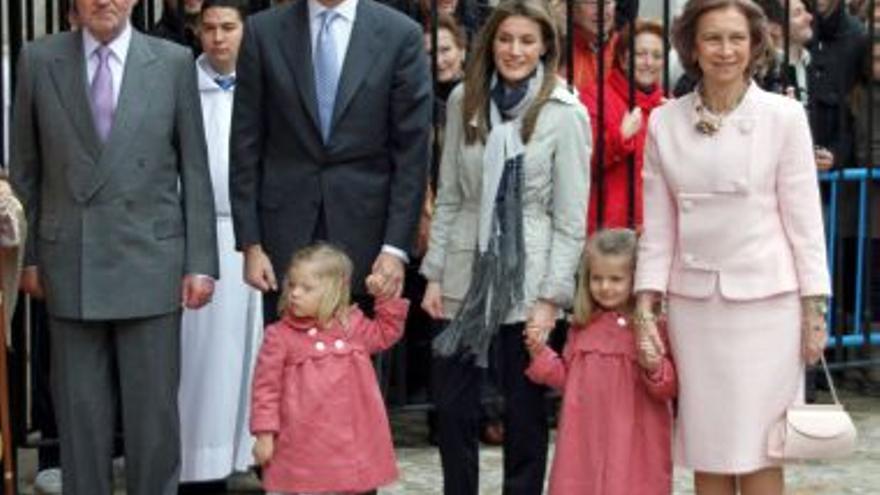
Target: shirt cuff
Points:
(399, 253)
(202, 276)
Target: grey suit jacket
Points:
(370, 177)
(115, 225)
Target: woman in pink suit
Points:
(734, 239)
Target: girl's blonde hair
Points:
(608, 242)
(333, 269)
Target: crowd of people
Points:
(348, 174)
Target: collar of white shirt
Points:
(118, 46)
(347, 9)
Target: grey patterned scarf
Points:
(497, 276)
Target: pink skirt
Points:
(739, 367)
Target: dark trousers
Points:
(456, 391)
(96, 363)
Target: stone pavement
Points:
(420, 464)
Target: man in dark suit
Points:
(108, 157)
(329, 138)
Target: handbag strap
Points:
(828, 378)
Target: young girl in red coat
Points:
(624, 130)
(317, 412)
(614, 433)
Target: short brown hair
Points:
(447, 22)
(621, 49)
(684, 31)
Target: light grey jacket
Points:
(555, 193)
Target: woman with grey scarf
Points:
(506, 238)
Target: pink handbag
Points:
(813, 431)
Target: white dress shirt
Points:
(340, 29)
(118, 53)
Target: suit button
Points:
(687, 204)
(320, 346)
(339, 344)
(312, 332)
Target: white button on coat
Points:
(339, 344)
(312, 332)
(320, 346)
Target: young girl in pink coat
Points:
(317, 412)
(614, 433)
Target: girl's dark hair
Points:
(241, 6)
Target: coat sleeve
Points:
(571, 186)
(246, 140)
(662, 383)
(797, 190)
(449, 194)
(195, 176)
(548, 368)
(268, 382)
(616, 147)
(409, 136)
(25, 166)
(657, 243)
(386, 328)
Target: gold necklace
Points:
(708, 122)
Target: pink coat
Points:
(615, 427)
(317, 391)
(739, 210)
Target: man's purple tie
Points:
(101, 93)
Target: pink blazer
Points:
(739, 210)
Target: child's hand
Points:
(264, 448)
(649, 357)
(535, 340)
(375, 282)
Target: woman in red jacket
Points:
(624, 130)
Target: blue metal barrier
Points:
(851, 332)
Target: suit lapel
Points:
(69, 77)
(127, 118)
(363, 48)
(296, 46)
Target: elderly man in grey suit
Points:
(109, 159)
(330, 132)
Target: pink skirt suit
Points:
(734, 237)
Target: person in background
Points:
(866, 94)
(587, 40)
(219, 341)
(506, 238)
(837, 53)
(734, 242)
(625, 129)
(181, 29)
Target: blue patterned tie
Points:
(326, 71)
(226, 83)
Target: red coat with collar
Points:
(615, 426)
(617, 150)
(316, 390)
